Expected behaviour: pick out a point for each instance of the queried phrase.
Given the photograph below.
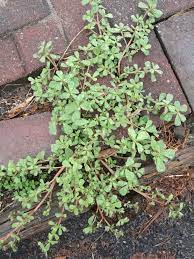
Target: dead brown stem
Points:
(107, 167)
(53, 63)
(148, 197)
(102, 216)
(148, 224)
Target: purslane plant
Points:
(106, 132)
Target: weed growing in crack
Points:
(96, 93)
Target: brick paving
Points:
(24, 136)
(70, 13)
(24, 24)
(15, 14)
(28, 38)
(10, 64)
(179, 31)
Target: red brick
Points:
(29, 39)
(70, 12)
(10, 64)
(122, 10)
(17, 13)
(24, 136)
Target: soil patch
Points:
(165, 238)
(16, 100)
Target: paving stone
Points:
(70, 12)
(177, 35)
(10, 64)
(30, 37)
(170, 7)
(167, 82)
(24, 136)
(16, 13)
(122, 10)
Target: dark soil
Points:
(166, 238)
(12, 96)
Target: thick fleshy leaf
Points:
(142, 135)
(177, 120)
(123, 191)
(142, 5)
(160, 165)
(132, 133)
(170, 153)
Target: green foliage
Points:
(176, 211)
(95, 95)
